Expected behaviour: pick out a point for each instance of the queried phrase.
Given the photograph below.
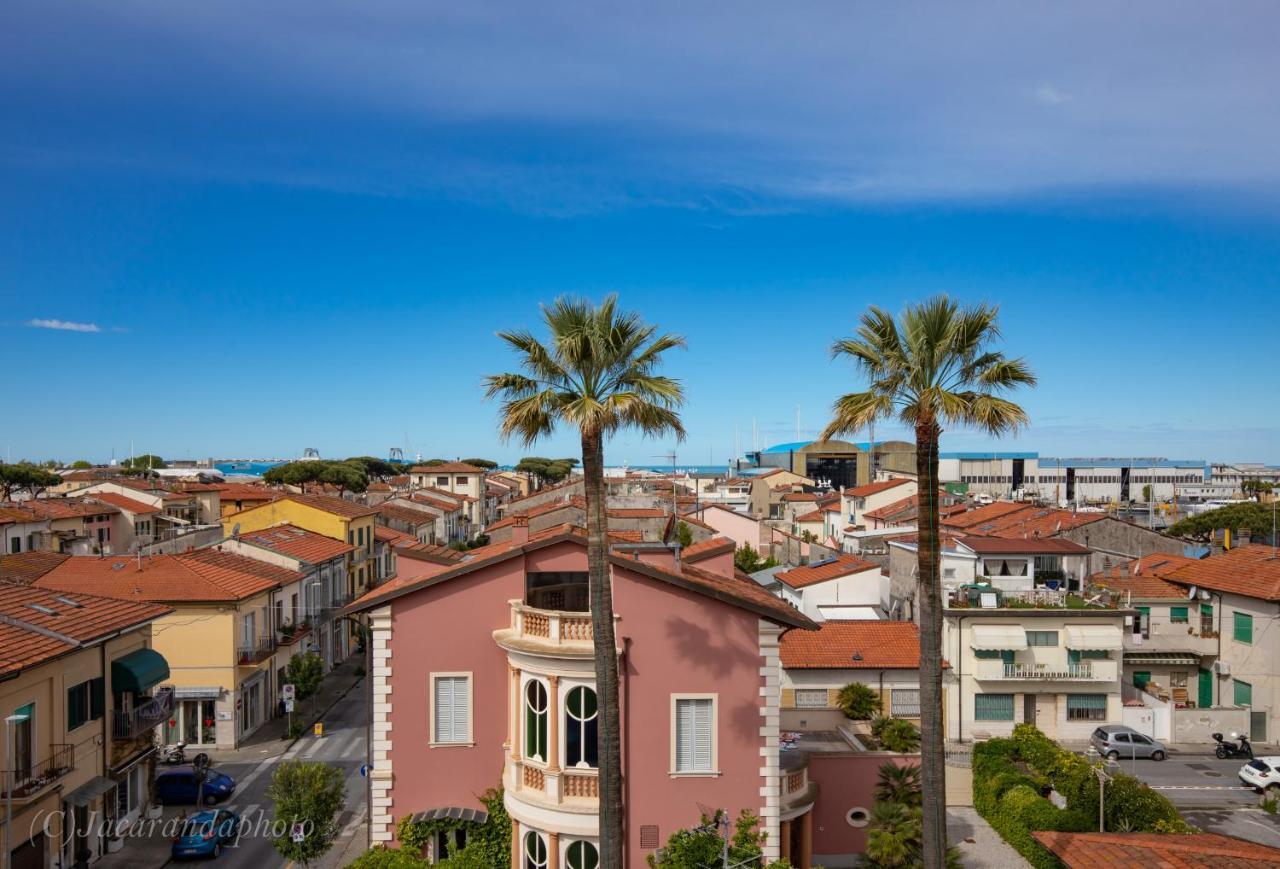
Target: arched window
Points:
(535, 720)
(582, 855)
(580, 727)
(535, 850)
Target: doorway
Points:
(1047, 714)
(1029, 708)
(1257, 726)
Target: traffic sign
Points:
(298, 833)
(319, 728)
(365, 769)
(288, 691)
(288, 704)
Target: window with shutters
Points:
(1243, 693)
(1086, 707)
(905, 703)
(535, 720)
(993, 707)
(811, 698)
(451, 708)
(1243, 624)
(693, 734)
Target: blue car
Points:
(180, 786)
(205, 833)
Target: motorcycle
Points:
(176, 754)
(1230, 749)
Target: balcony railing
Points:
(555, 626)
(248, 655)
(1084, 671)
(26, 782)
(132, 723)
(293, 632)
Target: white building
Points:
(1067, 481)
(843, 587)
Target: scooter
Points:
(174, 755)
(1230, 749)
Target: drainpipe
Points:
(1217, 685)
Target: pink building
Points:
(483, 676)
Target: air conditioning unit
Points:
(1222, 668)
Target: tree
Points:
(858, 701)
(309, 794)
(684, 534)
(347, 476)
(748, 560)
(1146, 494)
(1247, 514)
(487, 464)
(81, 465)
(375, 468)
(547, 470)
(898, 784)
(597, 375)
(144, 462)
(703, 845)
(25, 477)
(930, 367)
(305, 672)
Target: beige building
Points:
(457, 478)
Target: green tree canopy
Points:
(146, 461)
(25, 477)
(347, 476)
(487, 464)
(748, 560)
(310, 794)
(375, 468)
(1247, 514)
(547, 470)
(81, 465)
(703, 845)
(305, 672)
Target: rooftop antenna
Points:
(797, 422)
(671, 457)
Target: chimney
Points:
(519, 529)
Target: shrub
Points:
(382, 857)
(898, 784)
(858, 701)
(901, 736)
(488, 843)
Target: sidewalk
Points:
(987, 850)
(273, 736)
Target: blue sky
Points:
(301, 226)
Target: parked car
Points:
(1116, 741)
(204, 834)
(181, 786)
(1261, 773)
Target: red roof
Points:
(27, 567)
(447, 468)
(1142, 577)
(636, 513)
(1022, 545)
(298, 543)
(63, 508)
(329, 504)
(129, 505)
(392, 536)
(811, 516)
(853, 645)
(982, 515)
(707, 548)
(1007, 519)
(406, 514)
(800, 496)
(202, 575)
(1154, 850)
(841, 565)
(1253, 571)
(875, 488)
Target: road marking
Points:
(353, 826)
(1199, 788)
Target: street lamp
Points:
(1098, 764)
(10, 749)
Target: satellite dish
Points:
(1191, 593)
(1204, 595)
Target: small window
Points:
(1086, 707)
(535, 720)
(857, 817)
(1243, 628)
(993, 707)
(451, 710)
(442, 481)
(694, 737)
(1042, 638)
(811, 698)
(1179, 615)
(1243, 693)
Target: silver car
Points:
(1117, 741)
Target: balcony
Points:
(294, 632)
(574, 790)
(1085, 671)
(994, 597)
(555, 632)
(29, 782)
(329, 609)
(249, 654)
(141, 719)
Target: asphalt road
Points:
(1194, 782)
(343, 746)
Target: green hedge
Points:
(1008, 795)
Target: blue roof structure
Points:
(1135, 462)
(990, 455)
(786, 448)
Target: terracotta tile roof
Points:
(1021, 545)
(444, 505)
(246, 492)
(625, 536)
(447, 468)
(17, 516)
(800, 496)
(1142, 850)
(1142, 577)
(875, 488)
(577, 503)
(635, 512)
(298, 543)
(881, 645)
(1249, 570)
(129, 505)
(811, 516)
(153, 487)
(566, 484)
(694, 520)
(985, 514)
(27, 637)
(707, 548)
(733, 590)
(841, 565)
(337, 506)
(452, 497)
(406, 514)
(378, 487)
(908, 508)
(202, 575)
(429, 552)
(1037, 522)
(27, 567)
(68, 508)
(392, 536)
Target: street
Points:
(343, 745)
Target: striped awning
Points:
(1094, 638)
(998, 638)
(451, 813)
(211, 692)
(1187, 659)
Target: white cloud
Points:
(64, 325)
(1051, 96)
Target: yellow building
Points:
(220, 638)
(80, 694)
(323, 514)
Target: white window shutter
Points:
(452, 709)
(693, 734)
(461, 708)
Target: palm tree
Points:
(597, 375)
(898, 784)
(930, 367)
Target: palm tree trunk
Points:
(606, 654)
(929, 595)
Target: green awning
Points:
(138, 672)
(1186, 659)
